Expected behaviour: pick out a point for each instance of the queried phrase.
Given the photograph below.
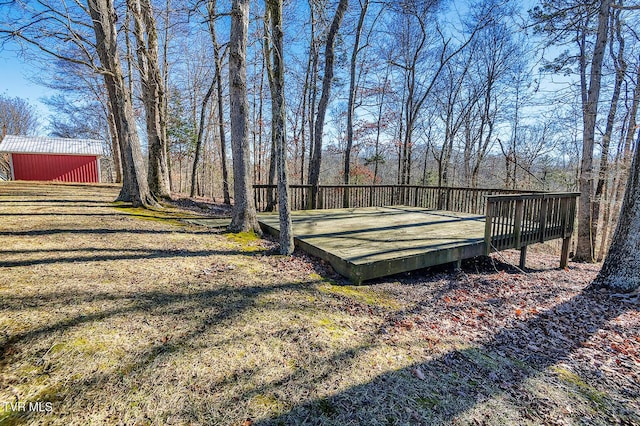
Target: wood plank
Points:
(371, 242)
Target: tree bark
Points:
(352, 98)
(621, 268)
(196, 154)
(244, 212)
(278, 122)
(620, 68)
(134, 187)
(586, 241)
(313, 90)
(115, 144)
(153, 95)
(217, 62)
(267, 49)
(327, 79)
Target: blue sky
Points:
(14, 82)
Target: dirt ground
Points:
(114, 315)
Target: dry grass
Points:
(121, 316)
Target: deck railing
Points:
(464, 200)
(516, 221)
(513, 219)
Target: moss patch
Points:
(171, 218)
(249, 241)
(361, 294)
(571, 378)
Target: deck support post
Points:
(523, 256)
(564, 255)
(457, 265)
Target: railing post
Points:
(447, 199)
(488, 225)
(345, 197)
(564, 254)
(544, 208)
(566, 225)
(312, 197)
(517, 224)
(523, 256)
(255, 198)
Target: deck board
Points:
(371, 242)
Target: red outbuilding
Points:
(53, 159)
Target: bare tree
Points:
(244, 212)
(275, 70)
(585, 248)
(364, 6)
(620, 67)
(415, 45)
(17, 116)
(329, 59)
(199, 138)
(135, 187)
(621, 268)
(153, 95)
(217, 63)
(573, 21)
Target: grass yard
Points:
(114, 315)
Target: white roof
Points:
(46, 145)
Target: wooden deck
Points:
(371, 242)
(432, 226)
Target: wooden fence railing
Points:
(513, 219)
(516, 221)
(464, 200)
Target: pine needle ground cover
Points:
(113, 315)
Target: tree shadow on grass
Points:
(451, 385)
(100, 231)
(57, 202)
(442, 390)
(121, 254)
(212, 307)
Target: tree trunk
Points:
(585, 249)
(217, 62)
(165, 79)
(271, 178)
(352, 98)
(134, 187)
(153, 95)
(620, 67)
(278, 122)
(196, 155)
(115, 144)
(244, 211)
(313, 92)
(377, 157)
(621, 268)
(329, 57)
